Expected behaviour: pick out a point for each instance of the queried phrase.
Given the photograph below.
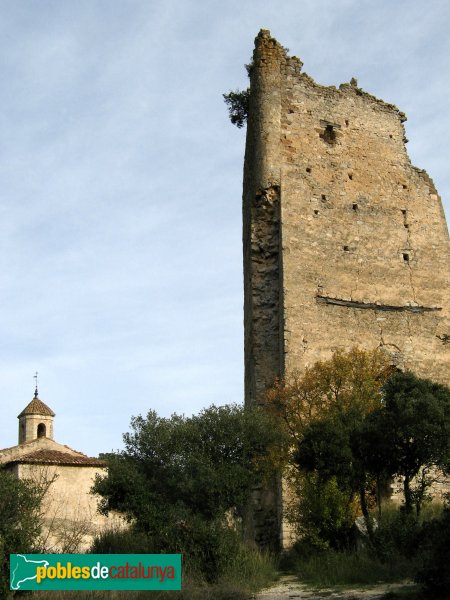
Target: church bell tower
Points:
(35, 421)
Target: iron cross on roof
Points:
(36, 389)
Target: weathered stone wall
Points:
(28, 427)
(261, 228)
(345, 242)
(70, 516)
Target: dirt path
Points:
(289, 588)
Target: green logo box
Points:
(95, 571)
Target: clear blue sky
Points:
(120, 179)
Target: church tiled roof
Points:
(55, 457)
(37, 407)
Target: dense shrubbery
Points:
(323, 516)
(213, 555)
(332, 568)
(209, 548)
(398, 535)
(405, 546)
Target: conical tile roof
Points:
(37, 407)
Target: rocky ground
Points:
(289, 588)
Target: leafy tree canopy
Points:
(348, 385)
(238, 102)
(406, 435)
(177, 467)
(409, 435)
(325, 449)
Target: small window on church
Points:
(41, 430)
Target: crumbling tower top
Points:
(339, 227)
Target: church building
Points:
(69, 511)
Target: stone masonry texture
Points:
(345, 241)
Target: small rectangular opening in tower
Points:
(328, 133)
(355, 206)
(346, 249)
(406, 256)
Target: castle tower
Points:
(35, 421)
(345, 241)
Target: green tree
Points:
(409, 436)
(328, 489)
(321, 410)
(205, 463)
(19, 521)
(330, 450)
(325, 449)
(238, 104)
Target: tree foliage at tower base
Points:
(184, 482)
(355, 424)
(319, 410)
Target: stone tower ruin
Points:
(345, 241)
